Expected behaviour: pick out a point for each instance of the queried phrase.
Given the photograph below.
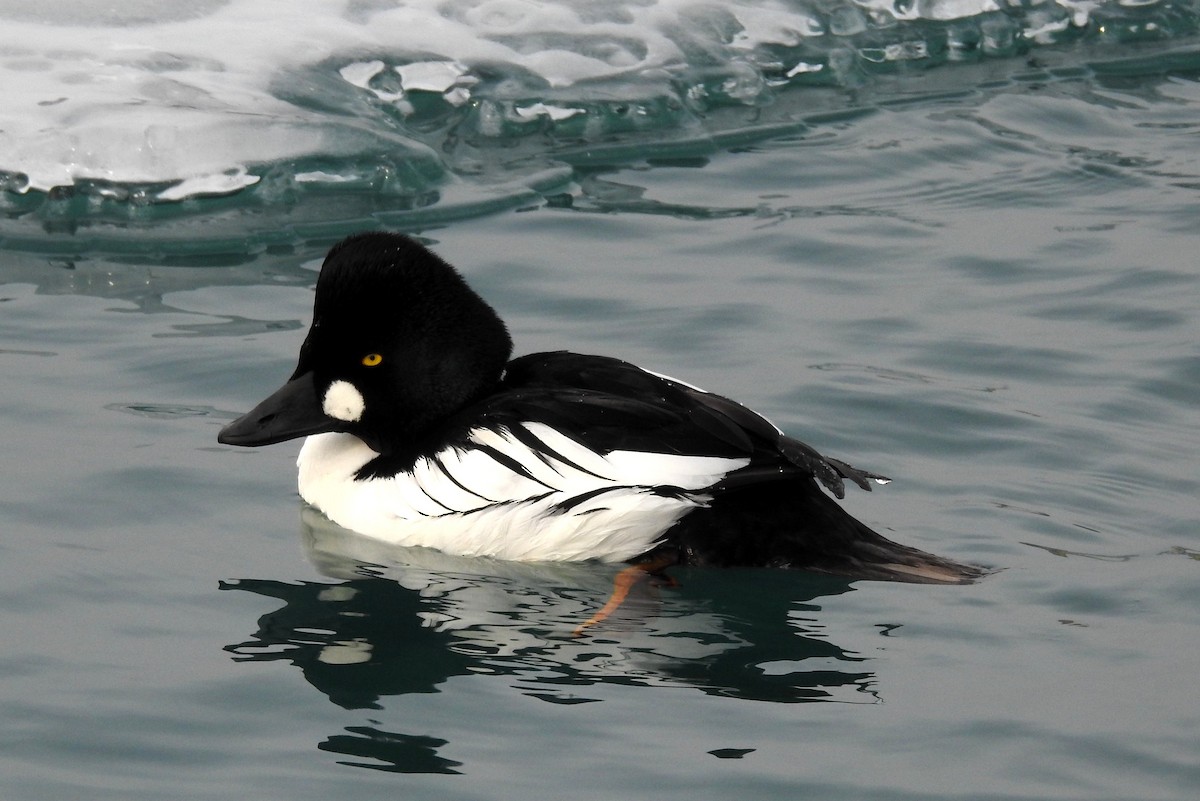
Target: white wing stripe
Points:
(586, 460)
(499, 496)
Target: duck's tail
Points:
(796, 525)
(873, 556)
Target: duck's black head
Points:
(398, 342)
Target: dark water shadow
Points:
(398, 620)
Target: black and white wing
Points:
(609, 405)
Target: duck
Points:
(421, 430)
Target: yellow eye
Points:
(372, 360)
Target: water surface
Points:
(987, 293)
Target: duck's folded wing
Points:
(609, 405)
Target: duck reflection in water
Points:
(406, 620)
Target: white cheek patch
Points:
(343, 402)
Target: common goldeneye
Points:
(421, 432)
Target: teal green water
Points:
(990, 296)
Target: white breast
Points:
(498, 497)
